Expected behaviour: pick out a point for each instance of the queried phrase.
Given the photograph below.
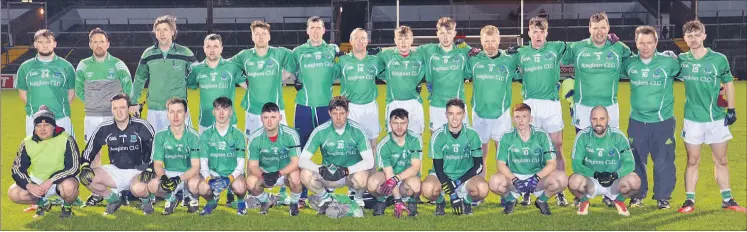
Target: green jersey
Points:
(391, 154)
(223, 151)
(274, 155)
(703, 78)
(314, 66)
(597, 71)
(651, 92)
(265, 76)
(215, 82)
(445, 71)
(342, 150)
(540, 69)
(176, 154)
(610, 153)
(458, 152)
(402, 75)
(167, 72)
(491, 93)
(526, 158)
(46, 83)
(97, 82)
(358, 77)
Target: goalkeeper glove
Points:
(606, 179)
(270, 178)
(325, 173)
(297, 84)
(387, 187)
(474, 52)
(170, 184)
(532, 182)
(612, 37)
(518, 184)
(398, 208)
(450, 186)
(86, 174)
(457, 204)
(146, 175)
(341, 172)
(429, 86)
(731, 117)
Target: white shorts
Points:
(159, 119)
(171, 174)
(253, 121)
(415, 114)
(491, 128)
(705, 132)
(610, 192)
(62, 122)
(438, 117)
(547, 114)
(90, 123)
(582, 115)
(52, 191)
(122, 177)
(512, 189)
(367, 115)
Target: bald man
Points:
(602, 164)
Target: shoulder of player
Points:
(255, 134)
(719, 55)
(237, 132)
(183, 50)
(149, 51)
(471, 130)
(383, 141)
(27, 63)
(621, 44)
(357, 126)
(584, 132)
(436, 134)
(142, 123)
(333, 47)
(617, 133)
(321, 127)
(540, 133)
(290, 132)
(63, 62)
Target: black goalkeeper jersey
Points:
(128, 149)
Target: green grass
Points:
(708, 216)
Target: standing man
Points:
(703, 70)
(46, 80)
(216, 78)
(651, 124)
(166, 64)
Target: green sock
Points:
(544, 198)
(212, 202)
(147, 199)
(113, 197)
(726, 194)
(295, 196)
(509, 197)
(66, 204)
(168, 197)
(406, 199)
(440, 199)
(468, 199)
(584, 198)
(690, 196)
(620, 197)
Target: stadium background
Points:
(129, 25)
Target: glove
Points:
(271, 178)
(146, 175)
(227, 179)
(429, 86)
(612, 37)
(474, 52)
(387, 187)
(86, 174)
(325, 173)
(297, 84)
(217, 184)
(606, 179)
(398, 208)
(531, 183)
(169, 184)
(418, 88)
(341, 172)
(460, 43)
(669, 53)
(450, 187)
(519, 184)
(512, 50)
(457, 204)
(374, 51)
(731, 117)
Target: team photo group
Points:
(165, 157)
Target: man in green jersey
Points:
(457, 163)
(176, 159)
(48, 80)
(703, 70)
(597, 61)
(526, 164)
(651, 124)
(357, 73)
(46, 165)
(399, 156)
(216, 78)
(403, 72)
(222, 159)
(264, 66)
(346, 156)
(166, 64)
(273, 159)
(602, 164)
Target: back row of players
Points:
(600, 61)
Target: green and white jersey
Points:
(703, 78)
(540, 69)
(215, 82)
(491, 91)
(222, 151)
(391, 154)
(610, 153)
(458, 152)
(265, 76)
(597, 71)
(339, 149)
(651, 92)
(97, 82)
(176, 154)
(46, 83)
(402, 75)
(273, 156)
(167, 72)
(526, 158)
(358, 78)
(445, 72)
(314, 66)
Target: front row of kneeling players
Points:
(205, 165)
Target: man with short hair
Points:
(399, 155)
(705, 122)
(526, 164)
(273, 159)
(46, 79)
(457, 163)
(46, 164)
(602, 164)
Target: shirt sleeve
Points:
(384, 157)
(548, 150)
(624, 69)
(20, 167)
(294, 148)
(674, 68)
(578, 156)
(567, 58)
(157, 152)
(625, 51)
(71, 163)
(20, 81)
(192, 77)
(502, 149)
(253, 149)
(627, 164)
(468, 70)
(475, 144)
(724, 70)
(417, 154)
(291, 62)
(435, 151)
(70, 75)
(142, 74)
(80, 82)
(238, 74)
(195, 147)
(312, 145)
(381, 57)
(94, 144)
(125, 78)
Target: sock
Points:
(212, 201)
(397, 199)
(584, 198)
(147, 199)
(170, 197)
(620, 197)
(264, 197)
(405, 199)
(690, 196)
(468, 199)
(358, 194)
(295, 197)
(543, 198)
(509, 197)
(282, 190)
(113, 197)
(440, 199)
(726, 194)
(324, 195)
(67, 204)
